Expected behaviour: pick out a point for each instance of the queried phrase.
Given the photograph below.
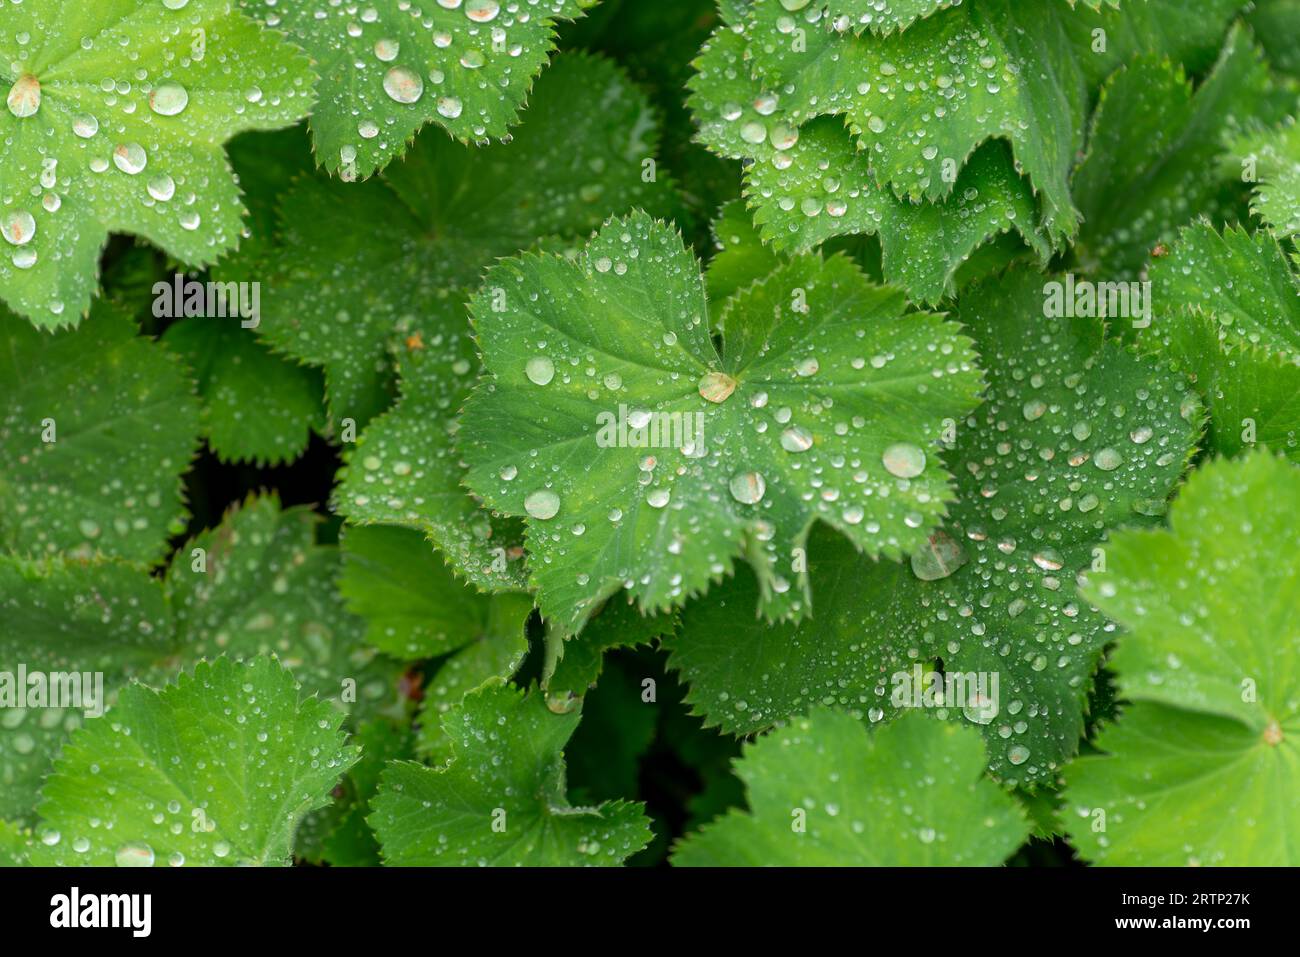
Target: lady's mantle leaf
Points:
(1211, 662)
(117, 112)
(1230, 320)
(416, 608)
(96, 429)
(501, 799)
(254, 585)
(1077, 436)
(1242, 280)
(1271, 160)
(808, 185)
(1152, 150)
(405, 471)
(216, 769)
(366, 269)
(259, 407)
(647, 459)
(825, 792)
(73, 618)
(389, 67)
(921, 101)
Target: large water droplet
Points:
(134, 855)
(85, 126)
(938, 558)
(542, 504)
(18, 227)
(540, 370)
(716, 386)
(162, 187)
(748, 487)
(168, 99)
(24, 96)
(1108, 460)
(796, 439)
(403, 85)
(904, 460)
(130, 158)
(482, 11)
(449, 106)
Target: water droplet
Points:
(130, 158)
(796, 439)
(542, 504)
(938, 558)
(85, 126)
(1019, 754)
(168, 99)
(449, 107)
(482, 11)
(748, 487)
(658, 498)
(18, 227)
(162, 187)
(403, 85)
(716, 386)
(904, 460)
(387, 49)
(1108, 459)
(24, 96)
(134, 855)
(540, 370)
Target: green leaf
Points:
(416, 608)
(1078, 436)
(824, 792)
(821, 374)
(367, 269)
(1243, 280)
(1252, 396)
(144, 156)
(828, 190)
(618, 625)
(741, 258)
(389, 68)
(124, 424)
(338, 834)
(811, 184)
(1152, 141)
(405, 471)
(926, 98)
(1210, 660)
(14, 842)
(69, 617)
(1187, 33)
(1277, 23)
(1272, 158)
(256, 584)
(259, 407)
(501, 800)
(217, 769)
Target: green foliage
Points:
(501, 799)
(230, 752)
(117, 112)
(1209, 664)
(762, 432)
